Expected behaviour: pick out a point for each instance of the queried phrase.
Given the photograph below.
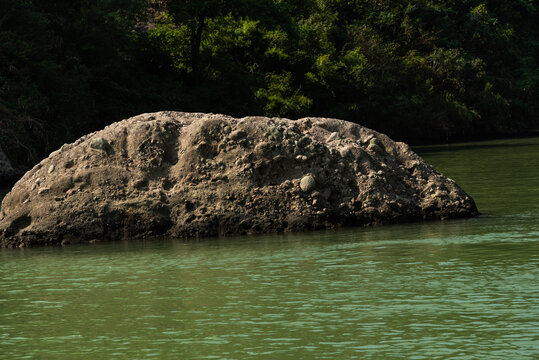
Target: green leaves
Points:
(420, 70)
(280, 98)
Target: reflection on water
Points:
(463, 289)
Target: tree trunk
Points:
(196, 38)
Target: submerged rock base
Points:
(189, 175)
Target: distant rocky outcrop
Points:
(189, 175)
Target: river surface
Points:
(466, 289)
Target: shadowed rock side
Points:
(189, 175)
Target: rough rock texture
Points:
(189, 175)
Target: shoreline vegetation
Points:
(422, 72)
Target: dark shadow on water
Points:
(405, 232)
(457, 147)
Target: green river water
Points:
(465, 289)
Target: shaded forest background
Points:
(418, 70)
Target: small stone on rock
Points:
(333, 136)
(99, 144)
(43, 190)
(238, 134)
(307, 183)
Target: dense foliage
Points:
(419, 70)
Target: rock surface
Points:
(188, 175)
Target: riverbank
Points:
(530, 133)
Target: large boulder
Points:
(188, 175)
